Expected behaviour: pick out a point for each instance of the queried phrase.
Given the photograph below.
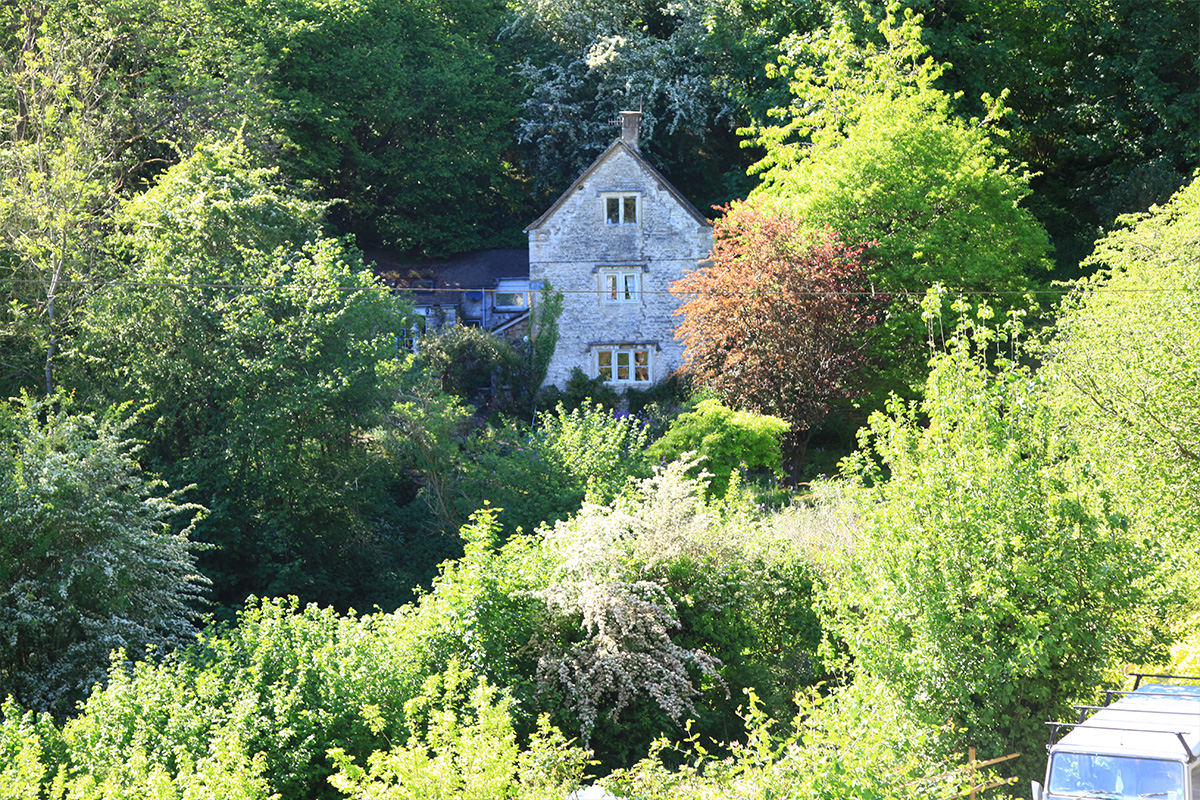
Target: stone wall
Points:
(575, 247)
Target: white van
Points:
(1146, 744)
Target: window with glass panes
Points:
(623, 365)
(619, 286)
(621, 209)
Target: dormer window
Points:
(621, 209)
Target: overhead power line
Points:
(249, 288)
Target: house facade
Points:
(612, 244)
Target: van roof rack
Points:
(1180, 735)
(1151, 714)
(1137, 676)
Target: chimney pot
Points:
(631, 127)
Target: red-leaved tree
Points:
(777, 322)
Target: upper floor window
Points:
(619, 286)
(621, 209)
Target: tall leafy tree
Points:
(95, 98)
(869, 146)
(691, 67)
(400, 111)
(57, 149)
(88, 559)
(778, 322)
(1105, 100)
(1123, 366)
(257, 344)
(990, 577)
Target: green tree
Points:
(88, 562)
(259, 345)
(989, 578)
(56, 156)
(400, 111)
(1123, 369)
(688, 66)
(870, 147)
(1104, 100)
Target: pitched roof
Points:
(643, 163)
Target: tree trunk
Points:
(798, 446)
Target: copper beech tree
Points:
(777, 322)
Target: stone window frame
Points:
(620, 285)
(618, 206)
(624, 363)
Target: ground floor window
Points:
(623, 365)
(415, 332)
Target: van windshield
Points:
(1087, 775)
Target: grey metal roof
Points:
(481, 269)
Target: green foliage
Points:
(580, 391)
(682, 64)
(250, 712)
(518, 472)
(473, 364)
(465, 747)
(258, 344)
(401, 111)
(597, 449)
(990, 578)
(1103, 99)
(58, 146)
(28, 751)
(544, 324)
(725, 440)
(423, 433)
(1123, 370)
(680, 606)
(869, 147)
(859, 742)
(88, 563)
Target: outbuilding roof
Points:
(480, 269)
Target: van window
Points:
(1087, 775)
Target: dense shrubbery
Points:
(725, 440)
(88, 562)
(618, 625)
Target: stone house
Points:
(612, 244)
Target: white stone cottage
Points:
(613, 244)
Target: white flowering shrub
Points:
(89, 563)
(627, 650)
(677, 604)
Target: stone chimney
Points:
(631, 127)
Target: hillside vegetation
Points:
(251, 547)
